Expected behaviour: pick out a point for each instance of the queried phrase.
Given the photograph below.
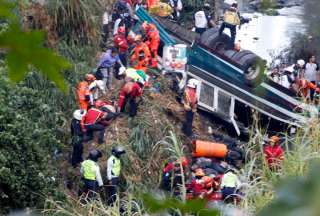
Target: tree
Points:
(26, 49)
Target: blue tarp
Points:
(164, 36)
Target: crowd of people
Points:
(302, 78)
(214, 174)
(129, 59)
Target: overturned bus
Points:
(232, 85)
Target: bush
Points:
(27, 141)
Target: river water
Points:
(268, 35)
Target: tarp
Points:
(164, 36)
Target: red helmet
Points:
(121, 30)
(99, 103)
(90, 77)
(184, 161)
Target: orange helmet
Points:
(99, 103)
(200, 172)
(275, 139)
(138, 38)
(121, 30)
(90, 77)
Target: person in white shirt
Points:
(177, 8)
(202, 20)
(105, 26)
(310, 73)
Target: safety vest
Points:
(116, 168)
(229, 180)
(89, 169)
(231, 17)
(200, 20)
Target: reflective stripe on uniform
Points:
(116, 168)
(89, 169)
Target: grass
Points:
(300, 150)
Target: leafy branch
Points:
(25, 49)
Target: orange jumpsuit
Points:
(304, 87)
(151, 3)
(83, 95)
(142, 62)
(153, 43)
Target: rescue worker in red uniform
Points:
(91, 122)
(121, 43)
(83, 91)
(190, 105)
(168, 172)
(273, 153)
(129, 92)
(153, 41)
(197, 184)
(141, 54)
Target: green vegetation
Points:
(34, 121)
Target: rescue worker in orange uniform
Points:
(153, 41)
(121, 43)
(151, 3)
(129, 92)
(304, 88)
(83, 91)
(141, 54)
(190, 105)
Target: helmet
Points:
(108, 109)
(118, 150)
(78, 114)
(138, 38)
(90, 77)
(206, 5)
(192, 83)
(275, 139)
(184, 161)
(99, 103)
(121, 30)
(289, 69)
(95, 155)
(145, 25)
(301, 62)
(141, 81)
(122, 70)
(200, 172)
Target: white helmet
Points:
(140, 80)
(122, 70)
(78, 114)
(289, 69)
(301, 62)
(192, 83)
